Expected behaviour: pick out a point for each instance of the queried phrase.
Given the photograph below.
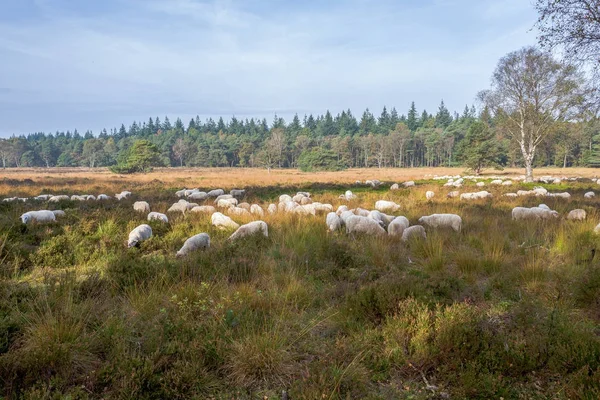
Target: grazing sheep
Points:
(156, 216)
(373, 183)
(305, 210)
(545, 207)
(397, 226)
(349, 195)
(358, 224)
(341, 209)
(298, 198)
(238, 193)
(509, 195)
(78, 198)
(251, 228)
(589, 195)
(189, 192)
(90, 197)
(507, 183)
(408, 184)
(272, 209)
(38, 216)
(223, 222)
(305, 200)
(216, 193)
(442, 220)
(577, 215)
(519, 213)
(242, 212)
(257, 210)
(480, 184)
(334, 222)
(180, 206)
(415, 231)
(9, 199)
(474, 196)
(245, 206)
(227, 203)
(597, 228)
(196, 242)
(540, 191)
(198, 196)
(563, 195)
(223, 197)
(203, 209)
(429, 195)
(42, 197)
(123, 195)
(496, 182)
(284, 198)
(180, 193)
(141, 206)
(345, 215)
(59, 213)
(56, 199)
(320, 207)
(395, 186)
(453, 194)
(386, 206)
(138, 235)
(102, 197)
(361, 212)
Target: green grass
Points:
(502, 309)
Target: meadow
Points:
(503, 309)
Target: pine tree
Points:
(480, 148)
(411, 120)
(443, 117)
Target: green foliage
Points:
(319, 160)
(141, 157)
(481, 148)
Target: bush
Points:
(318, 159)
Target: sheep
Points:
(180, 206)
(540, 191)
(589, 195)
(298, 198)
(102, 197)
(305, 194)
(238, 193)
(477, 195)
(386, 206)
(196, 242)
(320, 207)
(245, 206)
(564, 195)
(59, 213)
(496, 182)
(408, 184)
(345, 215)
(361, 212)
(272, 209)
(442, 220)
(227, 203)
(577, 215)
(223, 197)
(156, 216)
(90, 197)
(349, 195)
(415, 231)
(42, 197)
(341, 209)
(453, 194)
(251, 228)
(507, 183)
(22, 199)
(9, 199)
(545, 207)
(223, 222)
(203, 209)
(509, 195)
(284, 198)
(56, 199)
(395, 186)
(38, 216)
(358, 224)
(519, 213)
(180, 193)
(305, 200)
(257, 210)
(238, 211)
(597, 229)
(216, 193)
(429, 195)
(378, 217)
(123, 195)
(334, 222)
(373, 183)
(305, 210)
(138, 235)
(397, 226)
(141, 206)
(480, 184)
(198, 196)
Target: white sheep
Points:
(544, 206)
(334, 222)
(78, 198)
(242, 212)
(305, 200)
(90, 197)
(563, 195)
(509, 195)
(341, 209)
(102, 197)
(507, 183)
(408, 184)
(156, 216)
(203, 209)
(349, 195)
(244, 205)
(519, 213)
(56, 199)
(284, 198)
(227, 203)
(358, 224)
(42, 197)
(38, 216)
(305, 194)
(180, 193)
(196, 242)
(223, 196)
(322, 207)
(59, 213)
(141, 206)
(189, 192)
(429, 195)
(442, 220)
(251, 228)
(257, 210)
(272, 209)
(578, 215)
(216, 193)
(238, 193)
(597, 228)
(298, 198)
(361, 212)
(397, 226)
(415, 231)
(453, 194)
(138, 235)
(395, 186)
(345, 215)
(589, 195)
(305, 210)
(123, 195)
(198, 196)
(223, 222)
(386, 206)
(180, 206)
(496, 182)
(480, 184)
(474, 196)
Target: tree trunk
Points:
(528, 171)
(565, 161)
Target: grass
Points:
(502, 309)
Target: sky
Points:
(74, 64)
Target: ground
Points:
(502, 309)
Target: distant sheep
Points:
(203, 209)
(272, 209)
(138, 235)
(397, 226)
(577, 215)
(285, 198)
(42, 197)
(305, 200)
(180, 193)
(224, 197)
(227, 203)
(141, 206)
(242, 212)
(496, 182)
(349, 195)
(442, 220)
(305, 194)
(223, 222)
(257, 210)
(334, 222)
(358, 224)
(429, 195)
(564, 195)
(198, 196)
(156, 216)
(56, 199)
(408, 184)
(341, 209)
(475, 196)
(589, 195)
(38, 216)
(519, 213)
(249, 229)
(59, 213)
(480, 184)
(507, 183)
(415, 231)
(244, 205)
(395, 186)
(386, 206)
(78, 198)
(238, 193)
(453, 194)
(102, 197)
(123, 195)
(510, 195)
(216, 193)
(196, 242)
(322, 207)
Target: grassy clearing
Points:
(502, 309)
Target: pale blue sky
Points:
(82, 64)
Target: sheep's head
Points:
(422, 220)
(133, 243)
(25, 218)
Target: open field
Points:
(503, 308)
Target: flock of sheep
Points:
(379, 221)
